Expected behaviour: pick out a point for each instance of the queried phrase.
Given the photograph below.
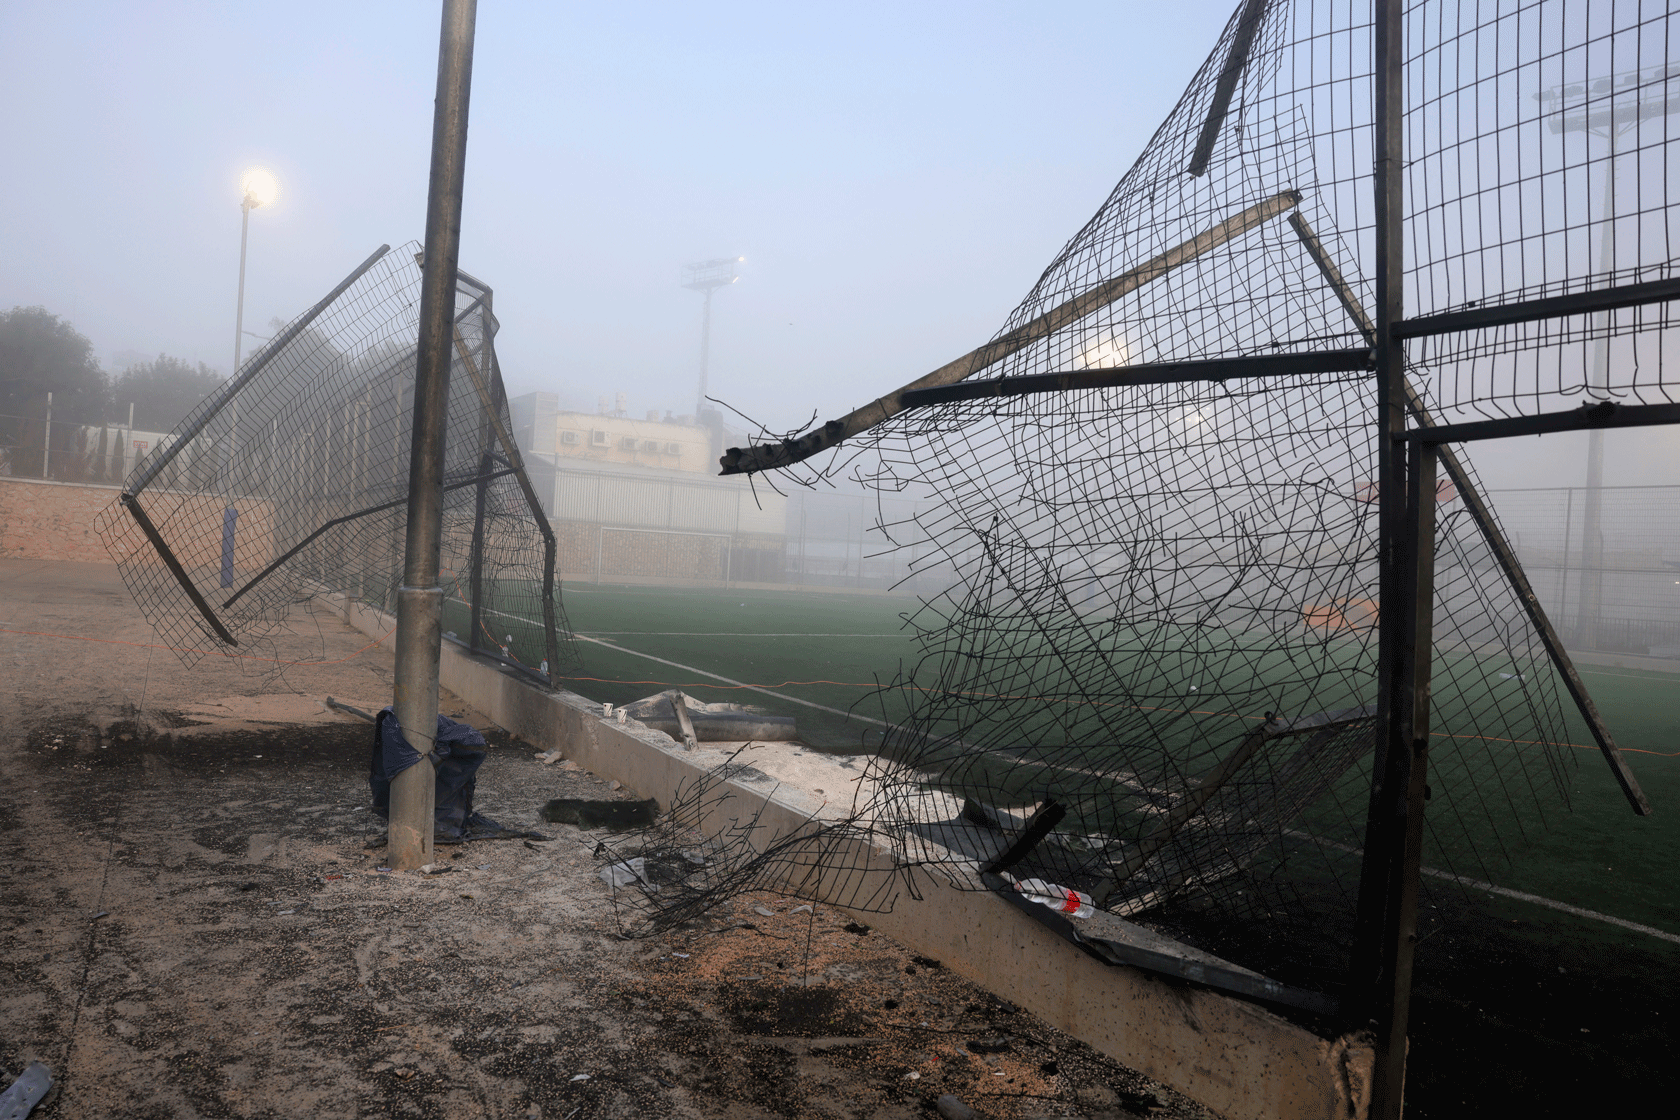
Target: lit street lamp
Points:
(258, 187)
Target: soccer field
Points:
(831, 651)
(819, 656)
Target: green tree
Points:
(163, 391)
(40, 354)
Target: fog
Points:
(896, 178)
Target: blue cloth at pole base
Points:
(457, 755)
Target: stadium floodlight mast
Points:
(1605, 107)
(708, 277)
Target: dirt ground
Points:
(192, 923)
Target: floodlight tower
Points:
(1604, 107)
(708, 277)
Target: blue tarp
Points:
(457, 755)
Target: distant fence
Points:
(65, 451)
(1613, 590)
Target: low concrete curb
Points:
(1232, 1056)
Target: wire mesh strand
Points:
(297, 483)
(1143, 576)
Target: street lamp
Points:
(1605, 107)
(258, 187)
(708, 277)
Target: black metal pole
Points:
(1479, 511)
(1379, 986)
(479, 501)
(420, 599)
(486, 461)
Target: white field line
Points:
(1507, 892)
(1629, 676)
(692, 669)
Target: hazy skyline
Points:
(896, 177)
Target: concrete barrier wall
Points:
(1232, 1056)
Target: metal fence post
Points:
(481, 494)
(420, 599)
(1380, 981)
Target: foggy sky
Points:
(897, 176)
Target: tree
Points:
(40, 354)
(163, 391)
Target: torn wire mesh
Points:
(293, 479)
(1152, 567)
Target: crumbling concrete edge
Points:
(1232, 1056)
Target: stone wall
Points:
(57, 521)
(51, 520)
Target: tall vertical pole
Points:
(238, 340)
(481, 493)
(1380, 985)
(705, 352)
(1592, 533)
(239, 311)
(46, 440)
(420, 599)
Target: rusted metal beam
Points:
(1480, 512)
(745, 460)
(132, 501)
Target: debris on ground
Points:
(668, 711)
(615, 816)
(26, 1092)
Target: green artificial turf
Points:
(836, 649)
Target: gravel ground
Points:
(192, 923)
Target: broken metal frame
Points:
(491, 397)
(1302, 364)
(480, 480)
(744, 460)
(1438, 435)
(148, 471)
(1242, 45)
(1408, 460)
